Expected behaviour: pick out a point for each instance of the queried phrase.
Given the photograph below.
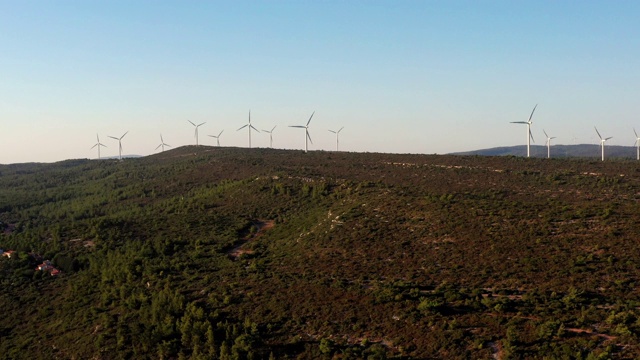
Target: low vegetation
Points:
(219, 253)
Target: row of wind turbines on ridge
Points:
(548, 142)
(249, 127)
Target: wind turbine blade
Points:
(545, 133)
(202, 123)
(103, 145)
(191, 122)
(113, 137)
(553, 137)
(167, 145)
(93, 146)
(274, 128)
(220, 133)
(634, 131)
(124, 135)
(243, 127)
(530, 134)
(610, 137)
(333, 131)
(600, 136)
(340, 129)
(519, 122)
(534, 109)
(310, 118)
(309, 136)
(298, 126)
(267, 131)
(251, 126)
(157, 147)
(212, 136)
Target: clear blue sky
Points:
(400, 76)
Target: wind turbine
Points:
(637, 143)
(270, 132)
(119, 143)
(548, 143)
(217, 137)
(162, 144)
(602, 141)
(98, 144)
(306, 131)
(250, 127)
(197, 126)
(529, 134)
(337, 136)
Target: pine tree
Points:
(210, 344)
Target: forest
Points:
(227, 253)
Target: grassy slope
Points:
(371, 255)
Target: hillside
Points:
(256, 253)
(582, 150)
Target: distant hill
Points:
(123, 156)
(580, 150)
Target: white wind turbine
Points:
(119, 144)
(98, 144)
(197, 126)
(162, 144)
(306, 131)
(602, 141)
(250, 127)
(637, 143)
(270, 132)
(337, 138)
(548, 143)
(529, 134)
(217, 137)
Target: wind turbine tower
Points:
(217, 137)
(548, 143)
(306, 131)
(529, 134)
(162, 144)
(602, 141)
(250, 127)
(119, 144)
(337, 138)
(270, 132)
(197, 126)
(637, 144)
(98, 144)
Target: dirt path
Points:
(590, 333)
(237, 250)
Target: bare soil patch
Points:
(10, 229)
(262, 226)
(496, 348)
